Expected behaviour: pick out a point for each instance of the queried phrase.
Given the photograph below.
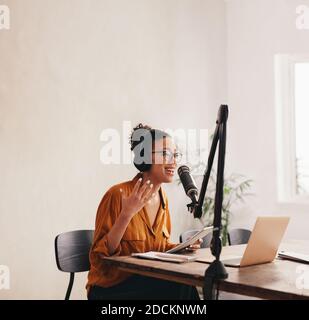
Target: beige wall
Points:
(69, 69)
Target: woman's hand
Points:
(197, 245)
(139, 196)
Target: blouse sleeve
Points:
(108, 211)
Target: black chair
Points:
(72, 253)
(238, 236)
(190, 233)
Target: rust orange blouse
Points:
(139, 236)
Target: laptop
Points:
(263, 243)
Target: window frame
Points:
(284, 66)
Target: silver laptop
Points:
(263, 243)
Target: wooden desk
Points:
(276, 280)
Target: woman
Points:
(133, 216)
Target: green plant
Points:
(236, 187)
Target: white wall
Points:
(69, 69)
(256, 31)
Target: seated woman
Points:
(133, 216)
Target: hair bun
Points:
(133, 142)
(141, 126)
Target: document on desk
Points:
(170, 257)
(294, 256)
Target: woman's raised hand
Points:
(139, 196)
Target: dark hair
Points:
(141, 140)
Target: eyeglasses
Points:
(168, 155)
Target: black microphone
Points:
(188, 183)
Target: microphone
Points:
(188, 183)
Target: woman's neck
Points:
(156, 184)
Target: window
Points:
(292, 114)
(301, 88)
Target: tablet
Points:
(199, 235)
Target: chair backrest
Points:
(238, 236)
(190, 233)
(72, 250)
